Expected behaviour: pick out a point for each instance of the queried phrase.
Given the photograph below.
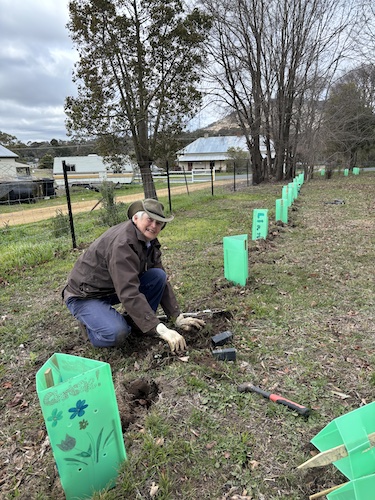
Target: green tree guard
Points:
(352, 430)
(79, 407)
(281, 210)
(260, 224)
(236, 262)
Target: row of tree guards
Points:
(236, 262)
(355, 171)
(236, 247)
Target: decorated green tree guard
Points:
(346, 172)
(260, 224)
(236, 263)
(356, 170)
(354, 434)
(80, 411)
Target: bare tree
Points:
(236, 69)
(267, 57)
(363, 38)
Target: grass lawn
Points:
(303, 326)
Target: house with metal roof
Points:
(212, 152)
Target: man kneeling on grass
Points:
(124, 266)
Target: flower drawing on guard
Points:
(79, 409)
(67, 444)
(55, 417)
(83, 424)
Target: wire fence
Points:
(35, 228)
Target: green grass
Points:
(303, 326)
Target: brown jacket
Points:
(112, 264)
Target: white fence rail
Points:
(194, 175)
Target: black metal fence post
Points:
(169, 186)
(69, 204)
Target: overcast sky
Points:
(36, 63)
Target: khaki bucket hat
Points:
(153, 208)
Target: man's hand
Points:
(175, 340)
(189, 323)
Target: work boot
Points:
(121, 339)
(134, 328)
(83, 331)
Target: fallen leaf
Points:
(209, 446)
(7, 385)
(159, 442)
(340, 394)
(153, 490)
(184, 359)
(353, 313)
(16, 400)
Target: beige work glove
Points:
(175, 340)
(188, 323)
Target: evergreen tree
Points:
(138, 71)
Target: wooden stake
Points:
(48, 377)
(325, 492)
(333, 454)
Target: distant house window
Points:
(190, 164)
(70, 168)
(23, 171)
(212, 164)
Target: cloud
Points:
(36, 61)
(36, 65)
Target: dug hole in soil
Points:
(135, 396)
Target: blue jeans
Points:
(105, 326)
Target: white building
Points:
(212, 152)
(10, 169)
(91, 169)
(16, 182)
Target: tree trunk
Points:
(147, 180)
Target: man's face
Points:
(150, 228)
